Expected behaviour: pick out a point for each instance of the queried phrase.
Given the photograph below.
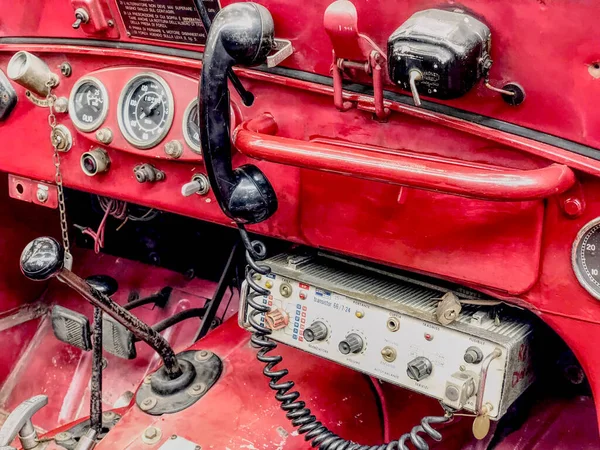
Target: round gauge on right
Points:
(585, 257)
(191, 127)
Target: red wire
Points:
(98, 236)
(384, 411)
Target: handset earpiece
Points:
(241, 33)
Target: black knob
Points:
(419, 368)
(352, 344)
(316, 332)
(103, 283)
(42, 258)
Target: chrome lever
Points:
(19, 423)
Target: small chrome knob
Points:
(352, 344)
(316, 332)
(473, 355)
(419, 368)
(43, 258)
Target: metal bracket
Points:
(19, 423)
(37, 101)
(354, 51)
(283, 49)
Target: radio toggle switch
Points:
(419, 368)
(316, 332)
(199, 185)
(459, 389)
(277, 319)
(352, 344)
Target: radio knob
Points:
(316, 332)
(419, 368)
(352, 344)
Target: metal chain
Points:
(64, 227)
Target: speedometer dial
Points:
(586, 257)
(88, 104)
(145, 110)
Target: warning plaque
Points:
(166, 20)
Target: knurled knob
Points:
(419, 368)
(316, 332)
(277, 319)
(352, 344)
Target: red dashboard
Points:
(407, 191)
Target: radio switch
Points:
(316, 332)
(419, 368)
(459, 389)
(352, 344)
(277, 319)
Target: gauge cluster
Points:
(142, 111)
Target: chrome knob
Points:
(352, 344)
(316, 332)
(419, 368)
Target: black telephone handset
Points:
(241, 33)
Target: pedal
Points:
(72, 328)
(117, 340)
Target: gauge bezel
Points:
(186, 132)
(142, 145)
(88, 127)
(593, 289)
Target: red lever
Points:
(255, 138)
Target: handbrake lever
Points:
(43, 258)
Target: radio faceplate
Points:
(385, 326)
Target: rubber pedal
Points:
(117, 340)
(72, 328)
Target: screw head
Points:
(66, 69)
(41, 195)
(108, 416)
(202, 355)
(148, 403)
(64, 436)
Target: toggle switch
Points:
(199, 185)
(81, 17)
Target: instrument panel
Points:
(142, 111)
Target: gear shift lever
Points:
(43, 258)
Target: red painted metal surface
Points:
(401, 168)
(518, 251)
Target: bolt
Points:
(66, 69)
(61, 105)
(202, 355)
(111, 23)
(150, 433)
(148, 403)
(64, 436)
(108, 416)
(148, 379)
(104, 135)
(573, 207)
(42, 195)
(174, 149)
(174, 436)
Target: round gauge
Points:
(191, 127)
(88, 104)
(145, 110)
(586, 257)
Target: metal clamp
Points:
(19, 423)
(354, 51)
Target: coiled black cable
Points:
(315, 432)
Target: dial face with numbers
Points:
(146, 110)
(586, 257)
(191, 127)
(88, 104)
